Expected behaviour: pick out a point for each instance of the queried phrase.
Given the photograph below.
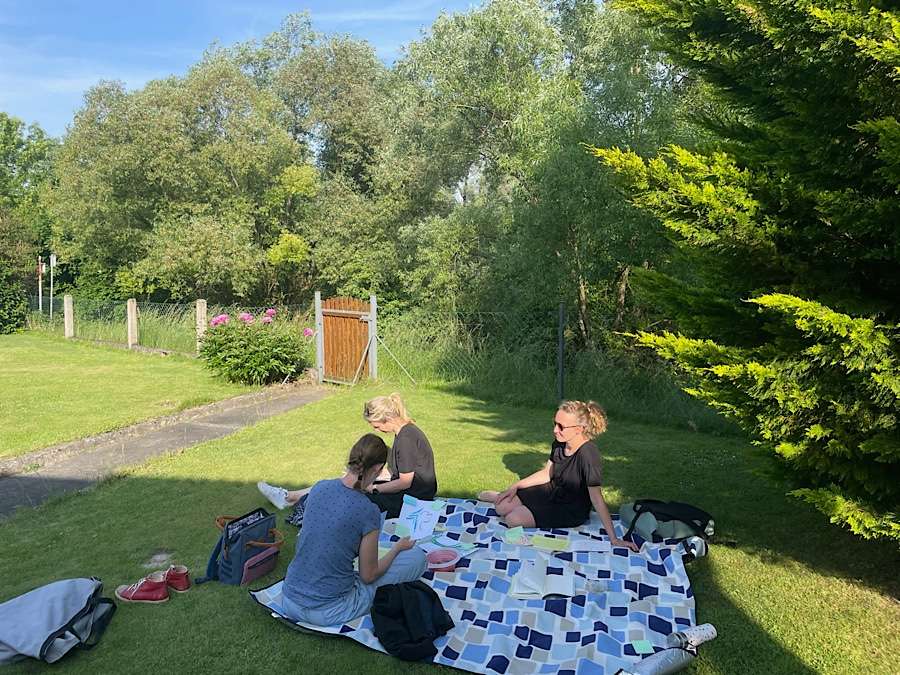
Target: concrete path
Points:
(30, 479)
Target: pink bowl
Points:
(442, 560)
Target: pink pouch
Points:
(259, 565)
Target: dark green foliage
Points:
(13, 306)
(255, 352)
(792, 211)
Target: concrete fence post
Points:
(201, 322)
(373, 337)
(133, 340)
(69, 316)
(320, 340)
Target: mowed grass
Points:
(54, 390)
(788, 592)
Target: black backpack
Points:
(668, 520)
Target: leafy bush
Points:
(13, 306)
(827, 403)
(252, 351)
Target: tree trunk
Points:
(622, 288)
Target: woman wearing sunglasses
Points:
(562, 492)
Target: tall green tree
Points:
(506, 118)
(26, 154)
(788, 320)
(134, 163)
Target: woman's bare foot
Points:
(488, 496)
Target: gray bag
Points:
(49, 621)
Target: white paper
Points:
(418, 518)
(533, 582)
(438, 541)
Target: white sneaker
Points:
(276, 495)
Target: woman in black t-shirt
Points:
(561, 493)
(410, 468)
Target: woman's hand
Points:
(403, 544)
(508, 493)
(621, 543)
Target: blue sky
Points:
(51, 51)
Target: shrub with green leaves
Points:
(255, 350)
(828, 403)
(13, 306)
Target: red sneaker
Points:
(178, 578)
(151, 588)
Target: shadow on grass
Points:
(114, 531)
(727, 477)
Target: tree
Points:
(134, 163)
(508, 116)
(25, 166)
(790, 221)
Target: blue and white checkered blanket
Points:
(623, 598)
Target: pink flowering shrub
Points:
(255, 352)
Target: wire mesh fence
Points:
(170, 327)
(515, 358)
(534, 360)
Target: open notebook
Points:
(532, 581)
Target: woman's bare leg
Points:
(505, 506)
(294, 496)
(520, 516)
(488, 496)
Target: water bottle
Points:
(661, 663)
(691, 638)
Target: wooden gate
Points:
(345, 341)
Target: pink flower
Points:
(267, 319)
(219, 320)
(270, 312)
(246, 317)
(307, 332)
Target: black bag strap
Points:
(693, 517)
(640, 506)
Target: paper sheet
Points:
(550, 543)
(438, 541)
(533, 582)
(516, 536)
(418, 518)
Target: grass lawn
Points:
(53, 390)
(787, 592)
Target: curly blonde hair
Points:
(589, 415)
(383, 408)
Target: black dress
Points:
(565, 501)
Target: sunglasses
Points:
(557, 425)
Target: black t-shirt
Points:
(411, 452)
(570, 477)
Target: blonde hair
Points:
(383, 408)
(589, 415)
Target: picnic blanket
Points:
(622, 598)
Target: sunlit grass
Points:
(54, 390)
(788, 592)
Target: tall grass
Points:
(447, 353)
(164, 326)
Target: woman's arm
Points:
(397, 485)
(370, 567)
(603, 511)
